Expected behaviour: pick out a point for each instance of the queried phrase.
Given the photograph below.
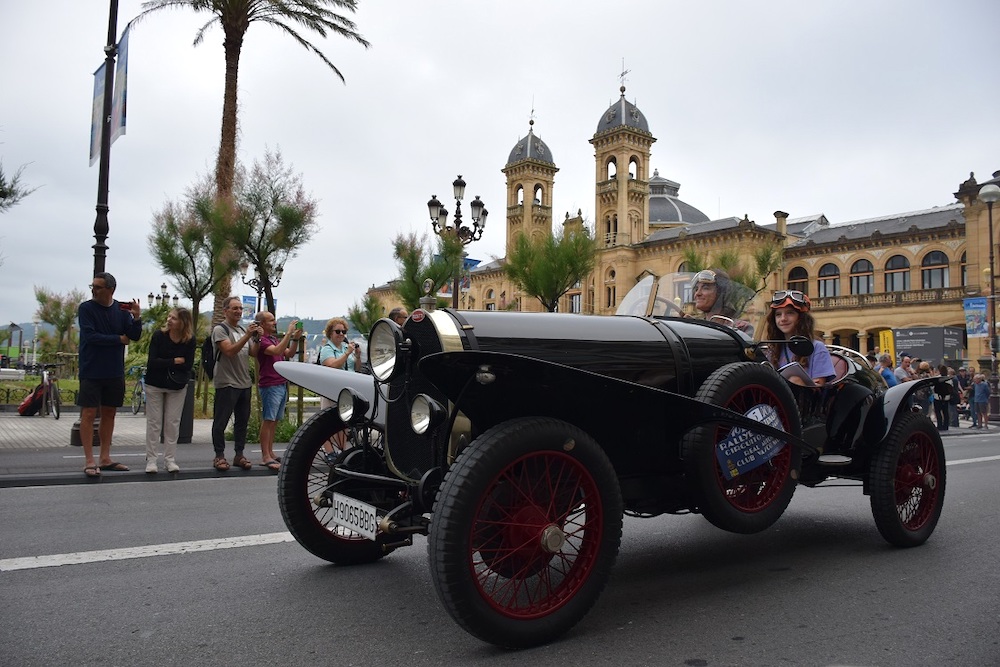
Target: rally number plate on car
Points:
(355, 515)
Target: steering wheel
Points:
(669, 305)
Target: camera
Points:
(125, 306)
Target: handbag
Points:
(178, 377)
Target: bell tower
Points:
(621, 155)
(530, 172)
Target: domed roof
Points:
(664, 206)
(622, 113)
(530, 148)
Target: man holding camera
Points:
(232, 383)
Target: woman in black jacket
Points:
(168, 368)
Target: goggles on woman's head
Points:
(791, 297)
(707, 276)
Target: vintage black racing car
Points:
(516, 442)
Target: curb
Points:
(111, 477)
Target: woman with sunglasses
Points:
(337, 353)
(790, 316)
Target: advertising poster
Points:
(976, 323)
(249, 308)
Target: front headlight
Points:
(383, 349)
(425, 413)
(351, 405)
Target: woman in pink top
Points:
(273, 388)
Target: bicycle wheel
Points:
(55, 404)
(137, 397)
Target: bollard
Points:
(74, 434)
(187, 415)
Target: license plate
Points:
(355, 515)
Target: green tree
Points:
(59, 310)
(547, 267)
(274, 217)
(766, 259)
(235, 19)
(417, 262)
(365, 316)
(12, 189)
(189, 242)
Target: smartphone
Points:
(298, 325)
(125, 306)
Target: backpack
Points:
(210, 354)
(32, 403)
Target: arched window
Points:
(798, 279)
(829, 280)
(934, 270)
(897, 274)
(965, 270)
(538, 195)
(520, 195)
(612, 168)
(862, 277)
(610, 296)
(490, 303)
(633, 168)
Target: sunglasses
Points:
(340, 331)
(706, 276)
(798, 299)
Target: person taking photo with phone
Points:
(273, 388)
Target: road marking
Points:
(981, 459)
(81, 557)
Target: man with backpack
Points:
(231, 379)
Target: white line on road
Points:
(981, 459)
(80, 557)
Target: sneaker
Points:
(173, 467)
(151, 466)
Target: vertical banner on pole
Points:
(121, 86)
(96, 120)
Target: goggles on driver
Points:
(706, 276)
(791, 297)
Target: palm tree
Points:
(235, 17)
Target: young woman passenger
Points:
(790, 316)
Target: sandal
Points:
(271, 465)
(92, 471)
(242, 462)
(220, 463)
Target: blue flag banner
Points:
(976, 323)
(121, 86)
(96, 119)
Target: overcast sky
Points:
(850, 108)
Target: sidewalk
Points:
(36, 451)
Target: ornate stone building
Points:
(898, 271)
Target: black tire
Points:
(526, 528)
(55, 405)
(753, 501)
(137, 398)
(304, 477)
(908, 480)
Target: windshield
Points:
(708, 294)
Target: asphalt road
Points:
(202, 571)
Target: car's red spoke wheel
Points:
(908, 481)
(526, 527)
(753, 499)
(536, 537)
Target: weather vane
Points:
(624, 72)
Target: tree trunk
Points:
(225, 165)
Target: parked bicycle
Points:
(139, 390)
(51, 403)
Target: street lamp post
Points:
(989, 194)
(464, 233)
(260, 282)
(34, 340)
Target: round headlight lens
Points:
(420, 414)
(345, 405)
(382, 349)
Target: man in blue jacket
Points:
(106, 327)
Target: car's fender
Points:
(895, 401)
(328, 382)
